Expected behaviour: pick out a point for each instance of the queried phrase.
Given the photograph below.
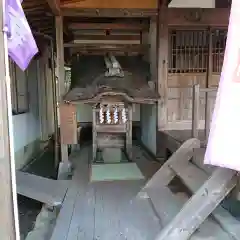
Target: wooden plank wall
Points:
(175, 87)
(179, 105)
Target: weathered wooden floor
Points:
(106, 210)
(176, 137)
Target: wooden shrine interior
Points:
(190, 49)
(178, 55)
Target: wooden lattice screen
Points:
(189, 50)
(219, 37)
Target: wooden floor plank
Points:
(104, 210)
(143, 159)
(64, 219)
(48, 191)
(120, 215)
(166, 204)
(82, 223)
(166, 212)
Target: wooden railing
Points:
(196, 110)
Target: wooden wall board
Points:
(198, 17)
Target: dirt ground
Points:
(28, 210)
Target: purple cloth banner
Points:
(21, 44)
(223, 147)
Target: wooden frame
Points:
(195, 111)
(42, 94)
(123, 13)
(197, 17)
(55, 6)
(162, 68)
(108, 26)
(181, 216)
(15, 93)
(205, 71)
(125, 128)
(9, 224)
(64, 165)
(113, 4)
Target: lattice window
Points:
(188, 51)
(219, 37)
(19, 89)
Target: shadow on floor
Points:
(28, 208)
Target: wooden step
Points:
(167, 205)
(199, 158)
(194, 178)
(48, 191)
(182, 156)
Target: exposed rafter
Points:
(55, 6)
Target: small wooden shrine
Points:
(111, 88)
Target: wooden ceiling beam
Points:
(107, 26)
(54, 6)
(108, 37)
(110, 13)
(104, 46)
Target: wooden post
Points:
(195, 110)
(55, 113)
(129, 133)
(94, 133)
(9, 227)
(153, 49)
(64, 165)
(208, 79)
(42, 98)
(162, 67)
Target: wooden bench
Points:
(45, 190)
(195, 214)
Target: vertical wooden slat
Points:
(60, 73)
(129, 133)
(43, 96)
(208, 78)
(182, 99)
(94, 133)
(9, 228)
(153, 48)
(195, 110)
(163, 68)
